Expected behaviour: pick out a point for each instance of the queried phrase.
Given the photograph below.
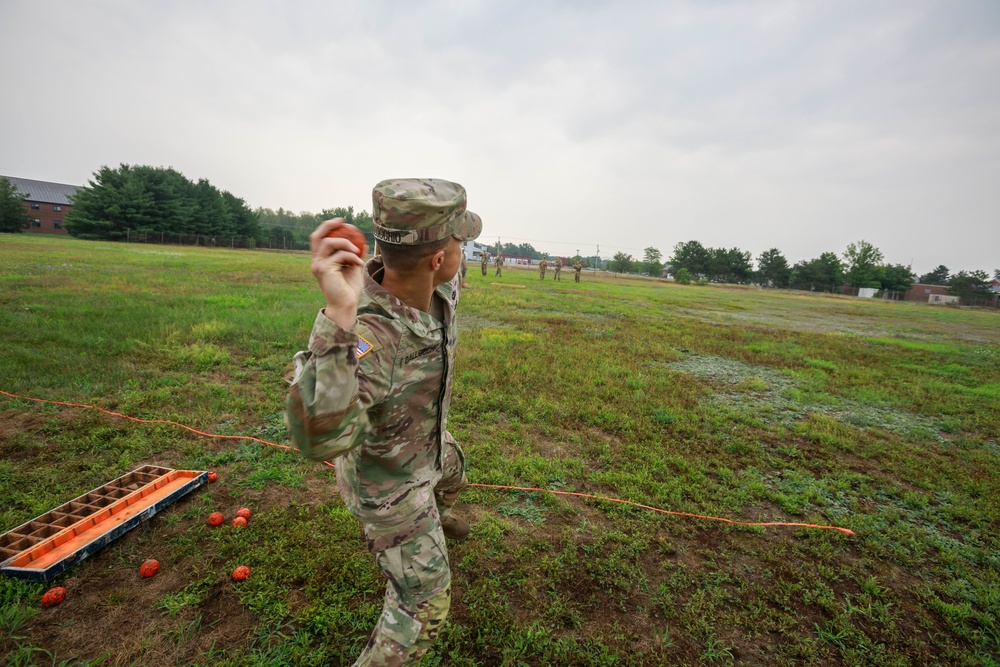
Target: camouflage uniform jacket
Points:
(378, 397)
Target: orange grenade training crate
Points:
(48, 545)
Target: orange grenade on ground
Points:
(53, 596)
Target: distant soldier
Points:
(484, 261)
(498, 262)
(557, 271)
(541, 269)
(577, 267)
(464, 269)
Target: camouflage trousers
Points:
(484, 269)
(541, 273)
(418, 589)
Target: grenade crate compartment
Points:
(49, 544)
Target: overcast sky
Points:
(797, 125)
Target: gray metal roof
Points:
(43, 191)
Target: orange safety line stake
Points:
(483, 486)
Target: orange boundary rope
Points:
(734, 522)
(670, 512)
(147, 421)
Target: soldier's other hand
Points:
(339, 272)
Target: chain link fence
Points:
(206, 241)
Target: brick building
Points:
(922, 293)
(48, 203)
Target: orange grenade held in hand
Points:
(352, 234)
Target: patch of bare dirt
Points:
(15, 423)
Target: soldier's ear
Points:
(436, 260)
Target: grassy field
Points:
(883, 418)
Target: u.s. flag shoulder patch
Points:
(364, 347)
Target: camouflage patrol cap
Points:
(413, 211)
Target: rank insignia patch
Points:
(364, 347)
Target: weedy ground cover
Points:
(734, 402)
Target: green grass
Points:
(715, 400)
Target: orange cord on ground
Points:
(146, 421)
(734, 522)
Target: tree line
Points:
(156, 199)
(283, 226)
(143, 198)
(862, 265)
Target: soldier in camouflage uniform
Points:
(577, 267)
(557, 271)
(373, 392)
(541, 269)
(499, 264)
(485, 261)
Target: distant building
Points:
(48, 203)
(923, 293)
(474, 250)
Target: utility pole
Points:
(597, 258)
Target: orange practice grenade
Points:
(53, 596)
(352, 234)
(149, 567)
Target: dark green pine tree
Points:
(13, 216)
(773, 269)
(825, 273)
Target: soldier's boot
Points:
(455, 528)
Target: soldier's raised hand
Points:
(339, 271)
